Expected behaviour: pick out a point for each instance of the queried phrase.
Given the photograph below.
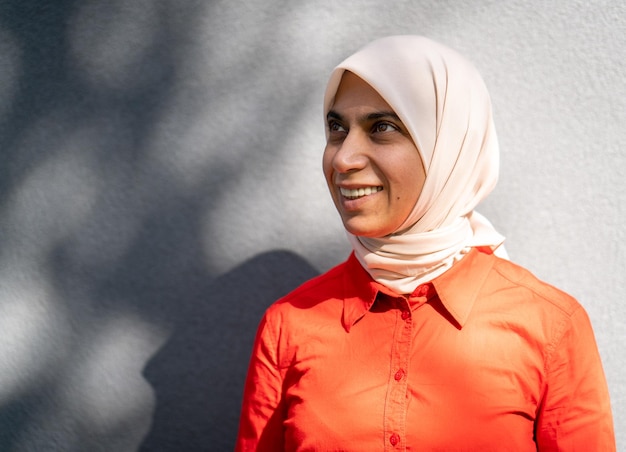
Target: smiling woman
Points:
(427, 336)
(372, 167)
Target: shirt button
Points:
(394, 439)
(405, 315)
(399, 375)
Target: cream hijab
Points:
(443, 102)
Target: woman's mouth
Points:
(355, 193)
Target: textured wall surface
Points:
(160, 185)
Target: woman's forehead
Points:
(354, 92)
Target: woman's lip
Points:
(356, 193)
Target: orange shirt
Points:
(484, 358)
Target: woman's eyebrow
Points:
(332, 114)
(384, 115)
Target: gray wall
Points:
(160, 185)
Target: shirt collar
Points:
(457, 288)
(360, 292)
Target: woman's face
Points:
(373, 169)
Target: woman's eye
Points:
(335, 127)
(384, 127)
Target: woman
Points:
(424, 339)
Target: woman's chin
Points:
(364, 230)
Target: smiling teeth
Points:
(358, 192)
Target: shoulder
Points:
(305, 316)
(312, 294)
(320, 285)
(518, 278)
(532, 308)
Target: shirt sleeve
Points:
(262, 414)
(575, 414)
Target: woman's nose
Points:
(351, 154)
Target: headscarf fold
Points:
(444, 104)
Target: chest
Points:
(406, 379)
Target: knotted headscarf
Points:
(444, 104)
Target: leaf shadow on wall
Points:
(112, 137)
(198, 375)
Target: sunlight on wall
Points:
(294, 179)
(106, 385)
(47, 206)
(96, 370)
(32, 328)
(101, 397)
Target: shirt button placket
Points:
(396, 401)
